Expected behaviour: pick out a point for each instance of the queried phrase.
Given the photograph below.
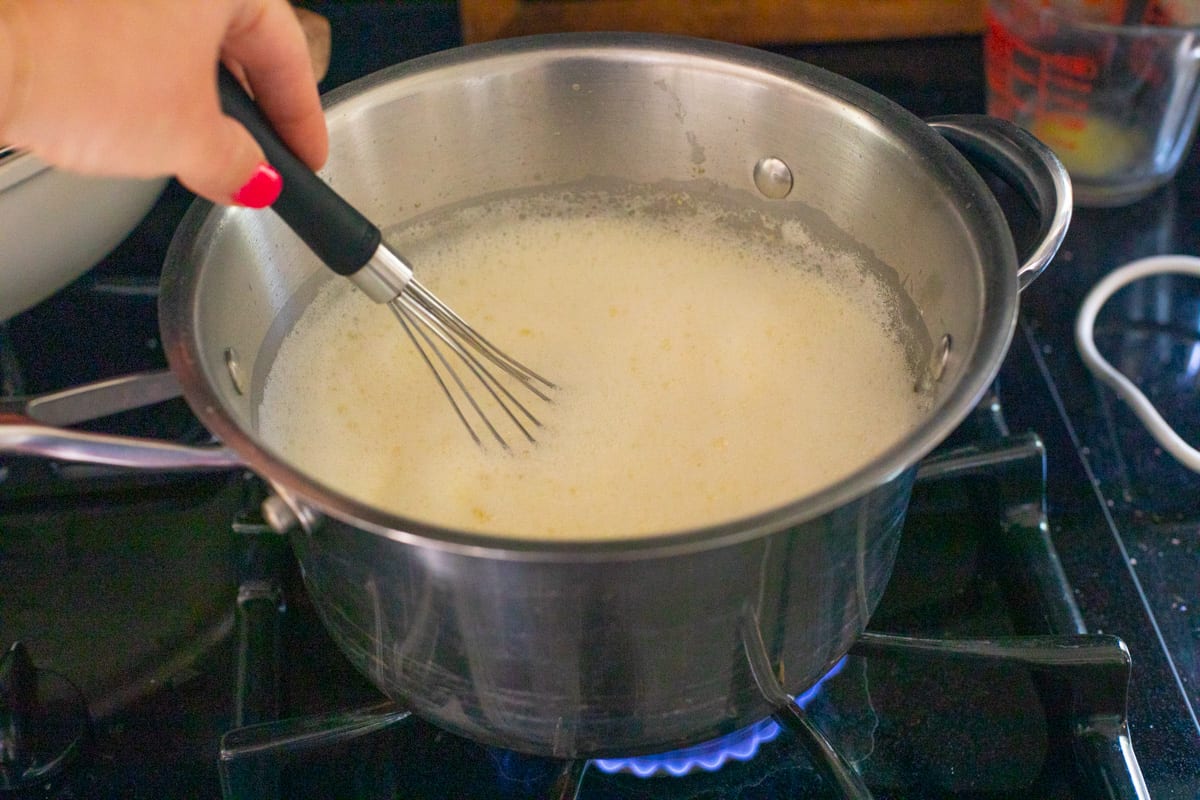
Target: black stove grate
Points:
(977, 679)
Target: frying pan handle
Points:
(1027, 165)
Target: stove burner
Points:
(710, 756)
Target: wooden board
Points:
(744, 21)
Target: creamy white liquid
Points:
(703, 376)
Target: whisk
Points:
(458, 356)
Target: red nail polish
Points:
(262, 189)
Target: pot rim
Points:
(178, 311)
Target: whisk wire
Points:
(450, 319)
(427, 320)
(465, 353)
(412, 335)
(486, 379)
(422, 328)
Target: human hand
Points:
(319, 39)
(128, 87)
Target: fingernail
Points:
(262, 189)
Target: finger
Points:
(319, 37)
(227, 166)
(266, 40)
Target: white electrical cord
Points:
(1084, 340)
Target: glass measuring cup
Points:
(1116, 102)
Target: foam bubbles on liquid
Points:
(706, 372)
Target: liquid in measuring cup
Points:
(1116, 102)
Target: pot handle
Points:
(1027, 165)
(21, 432)
(20, 436)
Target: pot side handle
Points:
(22, 436)
(30, 427)
(1028, 166)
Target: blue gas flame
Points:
(741, 745)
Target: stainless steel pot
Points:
(591, 649)
(55, 225)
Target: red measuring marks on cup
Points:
(1027, 77)
(1112, 86)
(1085, 83)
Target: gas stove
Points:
(974, 678)
(1037, 638)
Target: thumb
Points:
(227, 166)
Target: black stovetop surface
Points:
(1124, 518)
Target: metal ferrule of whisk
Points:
(454, 351)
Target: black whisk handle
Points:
(342, 237)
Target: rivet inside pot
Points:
(939, 362)
(234, 369)
(773, 177)
(937, 365)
